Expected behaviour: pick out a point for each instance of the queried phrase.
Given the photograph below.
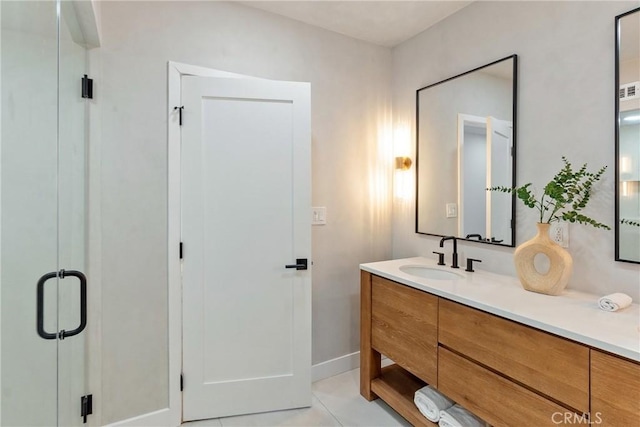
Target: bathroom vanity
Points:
(510, 356)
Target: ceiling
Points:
(385, 23)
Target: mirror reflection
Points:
(465, 144)
(628, 137)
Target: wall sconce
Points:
(403, 163)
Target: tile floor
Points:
(336, 401)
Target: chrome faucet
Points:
(455, 249)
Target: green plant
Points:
(630, 222)
(564, 196)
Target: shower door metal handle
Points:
(83, 304)
(40, 307)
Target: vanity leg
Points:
(369, 358)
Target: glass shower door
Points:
(41, 215)
(29, 205)
(71, 216)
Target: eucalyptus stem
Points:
(565, 196)
(541, 209)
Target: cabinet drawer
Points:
(492, 397)
(615, 390)
(554, 366)
(404, 327)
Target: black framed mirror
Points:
(466, 142)
(627, 135)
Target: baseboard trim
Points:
(163, 417)
(339, 365)
(335, 366)
(320, 371)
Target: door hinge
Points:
(181, 252)
(181, 382)
(87, 87)
(179, 113)
(86, 407)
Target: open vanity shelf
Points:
(397, 386)
(505, 372)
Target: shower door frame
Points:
(82, 30)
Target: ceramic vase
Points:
(556, 278)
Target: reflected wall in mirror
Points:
(628, 137)
(466, 138)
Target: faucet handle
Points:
(470, 264)
(440, 257)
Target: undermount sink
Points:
(430, 272)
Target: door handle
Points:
(83, 303)
(40, 305)
(301, 264)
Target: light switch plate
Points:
(452, 210)
(318, 215)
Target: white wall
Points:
(351, 146)
(566, 83)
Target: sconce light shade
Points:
(403, 163)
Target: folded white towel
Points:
(457, 416)
(430, 402)
(614, 302)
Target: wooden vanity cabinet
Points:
(404, 327)
(615, 390)
(553, 366)
(496, 399)
(507, 373)
(401, 323)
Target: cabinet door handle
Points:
(301, 264)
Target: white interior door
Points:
(499, 173)
(245, 214)
(472, 171)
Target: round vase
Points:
(560, 264)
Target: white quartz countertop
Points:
(573, 315)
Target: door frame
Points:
(175, 71)
(172, 415)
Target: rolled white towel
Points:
(430, 402)
(614, 302)
(457, 416)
